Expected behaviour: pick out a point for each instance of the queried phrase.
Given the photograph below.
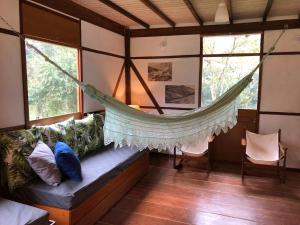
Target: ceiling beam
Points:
(229, 7)
(267, 9)
(119, 9)
(189, 4)
(218, 29)
(158, 12)
(78, 11)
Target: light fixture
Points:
(135, 107)
(222, 15)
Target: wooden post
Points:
(127, 68)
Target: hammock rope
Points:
(128, 126)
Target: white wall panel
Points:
(11, 88)
(9, 9)
(290, 126)
(101, 39)
(280, 84)
(185, 71)
(101, 71)
(289, 42)
(165, 45)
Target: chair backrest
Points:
(197, 148)
(262, 146)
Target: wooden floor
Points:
(166, 196)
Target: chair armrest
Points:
(243, 142)
(282, 148)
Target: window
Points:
(227, 59)
(50, 93)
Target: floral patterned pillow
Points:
(50, 134)
(89, 134)
(15, 147)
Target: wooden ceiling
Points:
(137, 13)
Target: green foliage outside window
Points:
(220, 73)
(50, 93)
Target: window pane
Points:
(220, 73)
(232, 44)
(50, 93)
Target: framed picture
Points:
(161, 71)
(180, 94)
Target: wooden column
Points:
(127, 68)
(200, 72)
(24, 69)
(262, 40)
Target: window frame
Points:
(50, 120)
(260, 54)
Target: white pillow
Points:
(42, 161)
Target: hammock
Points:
(128, 126)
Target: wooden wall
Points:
(101, 70)
(280, 93)
(11, 88)
(185, 67)
(102, 59)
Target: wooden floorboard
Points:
(166, 196)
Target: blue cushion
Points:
(67, 161)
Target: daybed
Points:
(16, 213)
(107, 173)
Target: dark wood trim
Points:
(127, 68)
(284, 53)
(147, 89)
(55, 119)
(279, 113)
(238, 28)
(262, 40)
(158, 12)
(165, 107)
(230, 13)
(39, 6)
(267, 9)
(166, 56)
(80, 71)
(118, 80)
(78, 11)
(200, 73)
(7, 31)
(24, 69)
(192, 9)
(119, 9)
(197, 55)
(102, 52)
(50, 41)
(231, 55)
(5, 129)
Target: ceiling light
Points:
(222, 15)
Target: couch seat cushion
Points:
(97, 169)
(14, 213)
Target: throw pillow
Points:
(89, 134)
(50, 134)
(15, 147)
(42, 161)
(67, 161)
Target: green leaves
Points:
(49, 92)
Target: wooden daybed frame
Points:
(93, 208)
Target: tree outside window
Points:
(50, 93)
(220, 72)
